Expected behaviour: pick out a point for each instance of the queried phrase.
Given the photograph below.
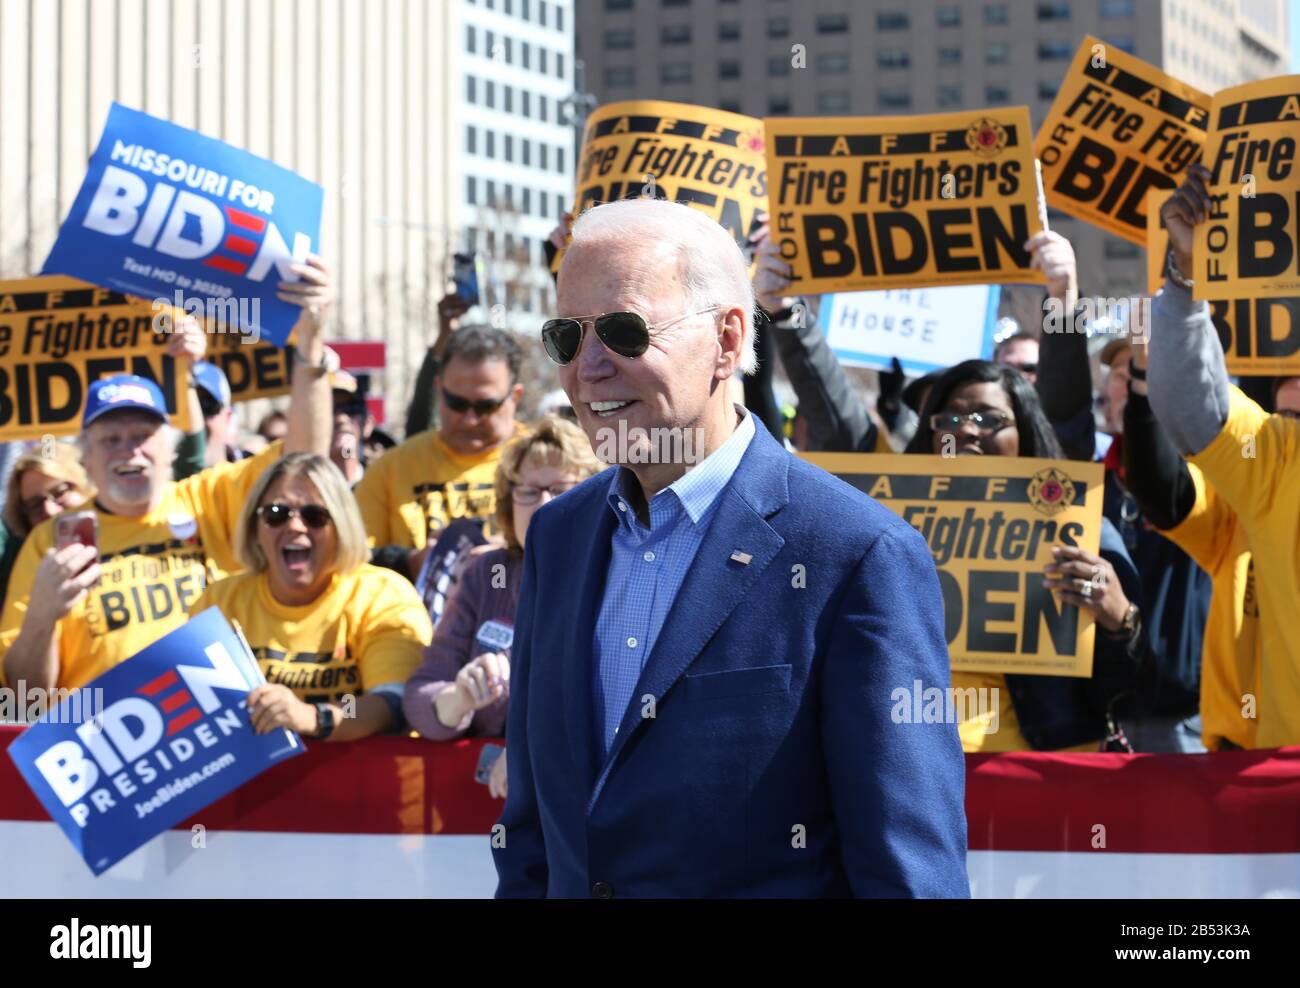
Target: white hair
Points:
(172, 437)
(710, 264)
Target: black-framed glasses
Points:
(482, 406)
(526, 495)
(625, 333)
(275, 515)
(986, 422)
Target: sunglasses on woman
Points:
(275, 515)
(624, 333)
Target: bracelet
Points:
(1176, 276)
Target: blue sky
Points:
(1293, 17)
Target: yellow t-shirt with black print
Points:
(152, 568)
(1254, 463)
(1213, 537)
(415, 489)
(366, 631)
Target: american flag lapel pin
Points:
(741, 557)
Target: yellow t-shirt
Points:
(152, 568)
(416, 488)
(1254, 463)
(1212, 536)
(366, 630)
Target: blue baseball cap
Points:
(120, 392)
(209, 377)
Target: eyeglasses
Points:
(531, 495)
(1025, 368)
(625, 333)
(55, 494)
(275, 515)
(987, 422)
(482, 406)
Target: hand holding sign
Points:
(1086, 580)
(1188, 206)
(314, 292)
(188, 340)
(274, 705)
(1053, 255)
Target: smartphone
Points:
(487, 757)
(465, 276)
(77, 528)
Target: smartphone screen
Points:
(465, 276)
(77, 528)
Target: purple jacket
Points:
(474, 601)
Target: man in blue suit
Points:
(708, 635)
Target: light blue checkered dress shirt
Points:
(647, 567)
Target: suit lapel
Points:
(715, 584)
(590, 551)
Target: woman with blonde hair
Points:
(335, 637)
(460, 687)
(46, 479)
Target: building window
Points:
(490, 94)
(1048, 90)
(471, 38)
(949, 56)
(778, 27)
(510, 51)
(777, 105)
(730, 105)
(471, 190)
(676, 3)
(778, 66)
(995, 13)
(489, 43)
(894, 99)
(675, 72)
(1054, 11)
(525, 53)
(523, 9)
(543, 108)
(526, 102)
(997, 53)
(526, 152)
(509, 147)
(1116, 8)
(508, 102)
(618, 4)
(510, 8)
(892, 20)
(833, 63)
(890, 58)
(835, 101)
(832, 23)
(559, 18)
(490, 143)
(996, 94)
(622, 76)
(619, 39)
(491, 192)
(559, 65)
(729, 31)
(948, 17)
(949, 96)
(541, 13)
(543, 155)
(729, 70)
(1123, 44)
(1055, 51)
(559, 160)
(675, 34)
(471, 89)
(1120, 250)
(471, 140)
(543, 60)
(527, 205)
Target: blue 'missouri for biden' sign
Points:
(173, 738)
(173, 216)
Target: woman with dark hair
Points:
(979, 408)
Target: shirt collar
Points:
(698, 488)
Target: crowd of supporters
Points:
(326, 546)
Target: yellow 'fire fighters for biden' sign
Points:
(991, 522)
(1248, 246)
(709, 159)
(886, 202)
(1118, 129)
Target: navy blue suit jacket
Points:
(758, 756)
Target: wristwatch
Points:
(324, 720)
(329, 361)
(1129, 627)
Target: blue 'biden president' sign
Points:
(173, 737)
(179, 218)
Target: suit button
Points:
(602, 890)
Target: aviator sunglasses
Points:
(624, 333)
(275, 515)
